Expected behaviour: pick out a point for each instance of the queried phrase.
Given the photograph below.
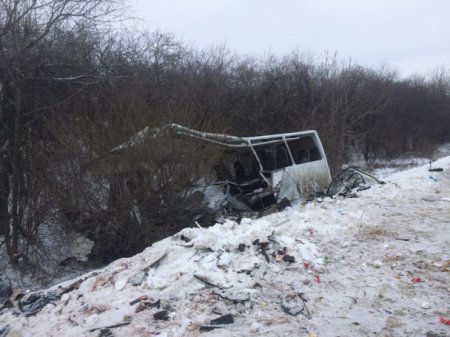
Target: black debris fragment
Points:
(283, 204)
(205, 328)
(34, 303)
(162, 315)
(363, 188)
(7, 305)
(184, 238)
(241, 247)
(105, 333)
(304, 300)
(156, 304)
(225, 319)
(402, 239)
(289, 258)
(218, 323)
(255, 242)
(127, 321)
(433, 334)
(437, 169)
(262, 248)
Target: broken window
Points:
(304, 150)
(282, 156)
(274, 156)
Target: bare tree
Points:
(28, 30)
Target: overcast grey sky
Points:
(409, 35)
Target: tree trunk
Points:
(16, 172)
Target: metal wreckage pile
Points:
(256, 174)
(267, 173)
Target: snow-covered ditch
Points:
(375, 265)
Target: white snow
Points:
(376, 265)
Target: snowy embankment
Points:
(375, 265)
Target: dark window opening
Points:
(267, 158)
(283, 158)
(304, 150)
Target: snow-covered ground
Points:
(375, 265)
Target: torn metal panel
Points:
(303, 180)
(351, 178)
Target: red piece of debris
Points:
(444, 321)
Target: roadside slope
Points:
(373, 265)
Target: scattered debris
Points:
(105, 333)
(156, 304)
(126, 321)
(162, 315)
(236, 296)
(184, 238)
(417, 280)
(304, 300)
(147, 305)
(218, 323)
(349, 180)
(262, 247)
(227, 277)
(432, 334)
(35, 302)
(139, 299)
(205, 328)
(443, 320)
(225, 319)
(446, 266)
(289, 258)
(282, 204)
(434, 178)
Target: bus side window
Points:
(283, 159)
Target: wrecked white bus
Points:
(261, 171)
(251, 173)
